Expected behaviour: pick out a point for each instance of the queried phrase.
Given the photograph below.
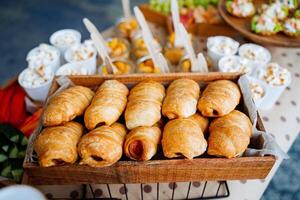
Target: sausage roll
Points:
(102, 146)
(58, 145)
(184, 137)
(181, 99)
(141, 143)
(66, 105)
(144, 104)
(229, 135)
(219, 98)
(107, 105)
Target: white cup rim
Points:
(37, 47)
(258, 71)
(252, 45)
(222, 60)
(59, 32)
(209, 39)
(21, 75)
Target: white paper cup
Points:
(272, 92)
(216, 56)
(265, 53)
(235, 68)
(60, 33)
(54, 65)
(37, 93)
(20, 192)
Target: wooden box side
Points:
(169, 170)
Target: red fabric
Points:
(12, 105)
(30, 123)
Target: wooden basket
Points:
(159, 169)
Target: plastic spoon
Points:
(126, 9)
(158, 61)
(176, 22)
(202, 62)
(188, 47)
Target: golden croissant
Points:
(57, 145)
(229, 135)
(102, 146)
(141, 143)
(219, 98)
(144, 104)
(107, 105)
(66, 105)
(181, 99)
(184, 137)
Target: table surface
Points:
(283, 121)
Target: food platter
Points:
(242, 25)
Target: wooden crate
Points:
(158, 170)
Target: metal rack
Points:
(202, 196)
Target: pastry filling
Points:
(97, 158)
(58, 162)
(136, 149)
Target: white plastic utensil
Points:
(126, 8)
(202, 62)
(92, 29)
(176, 21)
(158, 61)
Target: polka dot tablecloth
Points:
(283, 121)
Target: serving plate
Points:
(243, 25)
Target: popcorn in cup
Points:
(276, 79)
(146, 65)
(83, 54)
(118, 48)
(75, 68)
(235, 64)
(127, 27)
(44, 58)
(258, 90)
(255, 53)
(122, 66)
(220, 46)
(65, 38)
(36, 85)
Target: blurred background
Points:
(25, 24)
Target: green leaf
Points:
(3, 158)
(17, 174)
(13, 152)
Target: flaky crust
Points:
(229, 135)
(58, 145)
(66, 105)
(219, 98)
(181, 99)
(102, 146)
(141, 143)
(144, 104)
(107, 105)
(184, 137)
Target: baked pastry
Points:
(144, 104)
(219, 98)
(229, 135)
(107, 105)
(240, 8)
(184, 137)
(141, 143)
(291, 27)
(58, 145)
(265, 25)
(181, 99)
(102, 146)
(66, 105)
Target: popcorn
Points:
(275, 75)
(32, 78)
(257, 91)
(80, 52)
(222, 45)
(65, 38)
(234, 64)
(41, 57)
(255, 53)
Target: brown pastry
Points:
(181, 99)
(144, 104)
(184, 137)
(229, 135)
(66, 105)
(58, 145)
(141, 143)
(107, 105)
(219, 98)
(102, 146)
